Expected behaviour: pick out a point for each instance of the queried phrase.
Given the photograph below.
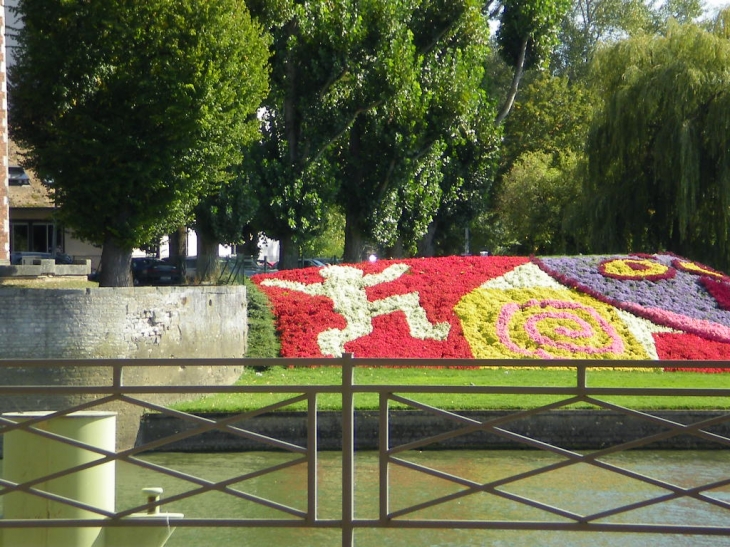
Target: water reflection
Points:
(564, 487)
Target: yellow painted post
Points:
(29, 456)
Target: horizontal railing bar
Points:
(167, 389)
(543, 526)
(370, 523)
(308, 362)
(364, 363)
(160, 520)
(544, 390)
(432, 389)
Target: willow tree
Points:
(659, 158)
(135, 110)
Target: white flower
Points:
(643, 330)
(526, 276)
(345, 286)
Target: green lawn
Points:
(277, 376)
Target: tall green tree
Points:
(541, 166)
(134, 110)
(658, 150)
(527, 33)
(369, 102)
(392, 170)
(321, 60)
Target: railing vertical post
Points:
(581, 379)
(348, 451)
(384, 456)
(312, 481)
(117, 377)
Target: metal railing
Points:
(391, 456)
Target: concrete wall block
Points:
(126, 323)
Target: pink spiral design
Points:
(574, 333)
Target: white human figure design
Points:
(345, 286)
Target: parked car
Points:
(312, 263)
(153, 271)
(188, 264)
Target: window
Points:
(19, 237)
(36, 237)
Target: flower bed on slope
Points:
(658, 307)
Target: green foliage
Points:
(429, 139)
(331, 242)
(658, 150)
(553, 115)
(591, 23)
(314, 96)
(135, 110)
(532, 26)
(263, 341)
(367, 99)
(536, 193)
(473, 158)
(535, 196)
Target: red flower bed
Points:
(673, 309)
(440, 283)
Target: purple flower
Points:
(683, 296)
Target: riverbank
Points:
(570, 429)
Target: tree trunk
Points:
(207, 266)
(116, 265)
(427, 247)
(288, 252)
(519, 71)
(354, 239)
(179, 248)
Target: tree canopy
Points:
(380, 106)
(590, 23)
(134, 110)
(403, 158)
(532, 202)
(658, 151)
(527, 33)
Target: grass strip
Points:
(300, 376)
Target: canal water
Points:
(579, 488)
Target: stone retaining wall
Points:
(128, 323)
(570, 429)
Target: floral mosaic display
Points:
(645, 307)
